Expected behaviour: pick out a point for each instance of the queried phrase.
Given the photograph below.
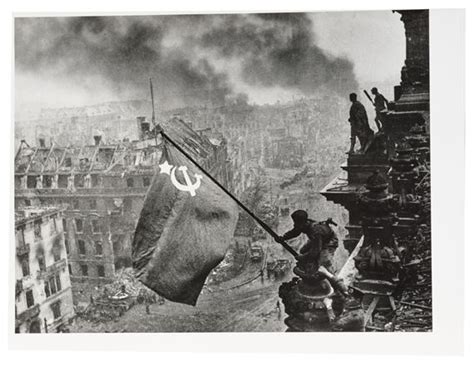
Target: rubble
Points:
(117, 297)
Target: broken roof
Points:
(26, 214)
(108, 158)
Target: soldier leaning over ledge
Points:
(316, 255)
(322, 241)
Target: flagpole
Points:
(239, 203)
(152, 103)
(153, 110)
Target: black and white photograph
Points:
(240, 172)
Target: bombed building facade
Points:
(101, 188)
(43, 296)
(75, 126)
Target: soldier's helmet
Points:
(299, 216)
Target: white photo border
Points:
(447, 70)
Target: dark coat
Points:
(359, 120)
(320, 237)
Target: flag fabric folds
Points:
(184, 230)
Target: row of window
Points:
(92, 204)
(131, 182)
(95, 225)
(85, 270)
(52, 286)
(53, 229)
(82, 248)
(80, 181)
(25, 261)
(83, 204)
(55, 307)
(30, 299)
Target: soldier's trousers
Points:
(326, 258)
(378, 120)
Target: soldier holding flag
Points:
(317, 253)
(187, 223)
(322, 241)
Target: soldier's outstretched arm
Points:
(291, 234)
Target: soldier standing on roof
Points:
(380, 103)
(359, 125)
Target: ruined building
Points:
(409, 109)
(386, 192)
(43, 296)
(285, 153)
(102, 188)
(76, 125)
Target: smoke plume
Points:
(280, 50)
(193, 59)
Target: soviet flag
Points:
(184, 230)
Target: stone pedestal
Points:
(313, 298)
(378, 261)
(305, 300)
(405, 175)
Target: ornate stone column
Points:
(415, 73)
(405, 175)
(306, 301)
(413, 93)
(419, 140)
(378, 260)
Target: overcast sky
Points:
(373, 42)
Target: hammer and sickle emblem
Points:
(189, 186)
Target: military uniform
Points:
(360, 125)
(322, 242)
(380, 104)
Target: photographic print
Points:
(261, 172)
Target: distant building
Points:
(102, 188)
(43, 296)
(285, 153)
(76, 125)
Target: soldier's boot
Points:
(368, 142)
(378, 124)
(364, 141)
(351, 149)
